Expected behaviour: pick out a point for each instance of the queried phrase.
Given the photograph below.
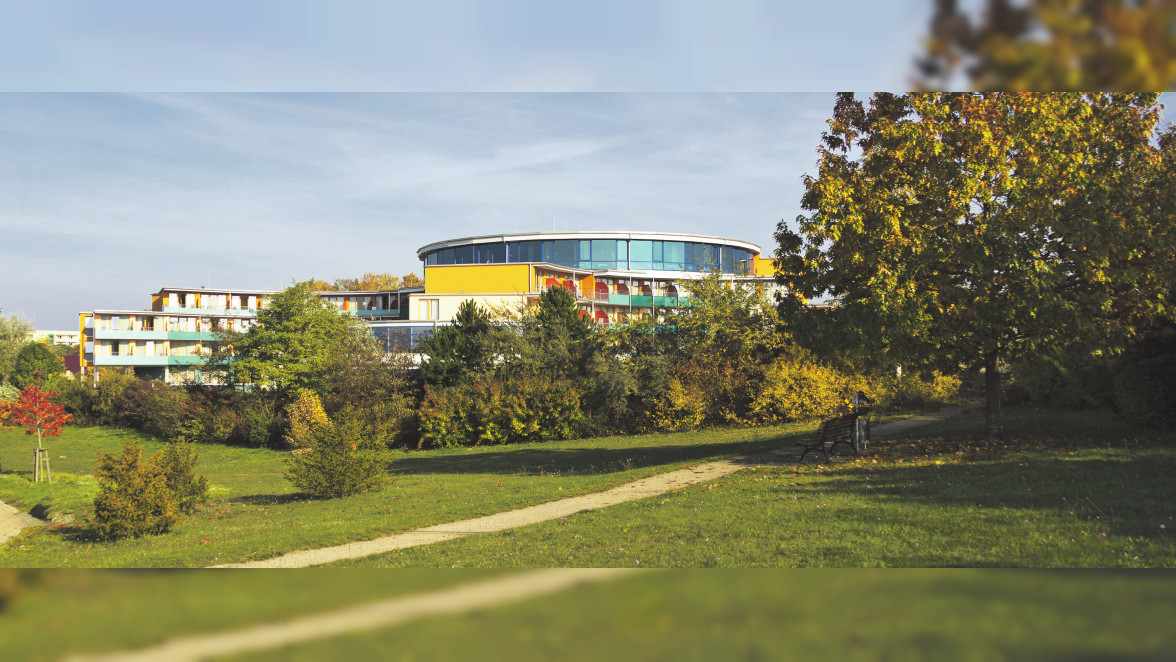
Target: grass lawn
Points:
(254, 514)
(1068, 489)
(747, 614)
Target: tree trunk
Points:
(992, 424)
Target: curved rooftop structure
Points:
(634, 251)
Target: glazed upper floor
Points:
(630, 251)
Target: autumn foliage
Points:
(35, 412)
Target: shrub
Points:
(178, 463)
(260, 423)
(222, 424)
(107, 404)
(304, 414)
(78, 396)
(342, 459)
(676, 410)
(133, 497)
(796, 390)
(8, 393)
(912, 391)
(501, 411)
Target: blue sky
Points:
(364, 129)
(105, 198)
(458, 45)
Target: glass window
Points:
(622, 253)
(728, 259)
(641, 254)
(585, 253)
(446, 256)
(465, 255)
(674, 254)
(490, 253)
(689, 256)
(564, 252)
(498, 253)
(530, 251)
(710, 257)
(604, 254)
(641, 251)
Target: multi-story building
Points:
(614, 276)
(56, 337)
(176, 336)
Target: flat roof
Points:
(603, 234)
(210, 290)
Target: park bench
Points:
(833, 431)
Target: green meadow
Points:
(255, 513)
(1064, 490)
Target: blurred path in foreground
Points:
(386, 613)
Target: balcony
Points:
(108, 360)
(129, 334)
(375, 312)
(619, 299)
(192, 335)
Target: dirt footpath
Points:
(638, 489)
(12, 521)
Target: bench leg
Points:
(809, 449)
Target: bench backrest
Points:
(836, 427)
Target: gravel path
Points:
(638, 489)
(12, 521)
(386, 613)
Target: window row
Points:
(151, 348)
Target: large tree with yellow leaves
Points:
(1115, 45)
(963, 229)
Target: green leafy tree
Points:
(1121, 45)
(962, 229)
(292, 346)
(14, 334)
(380, 385)
(557, 338)
(464, 350)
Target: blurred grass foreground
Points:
(750, 614)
